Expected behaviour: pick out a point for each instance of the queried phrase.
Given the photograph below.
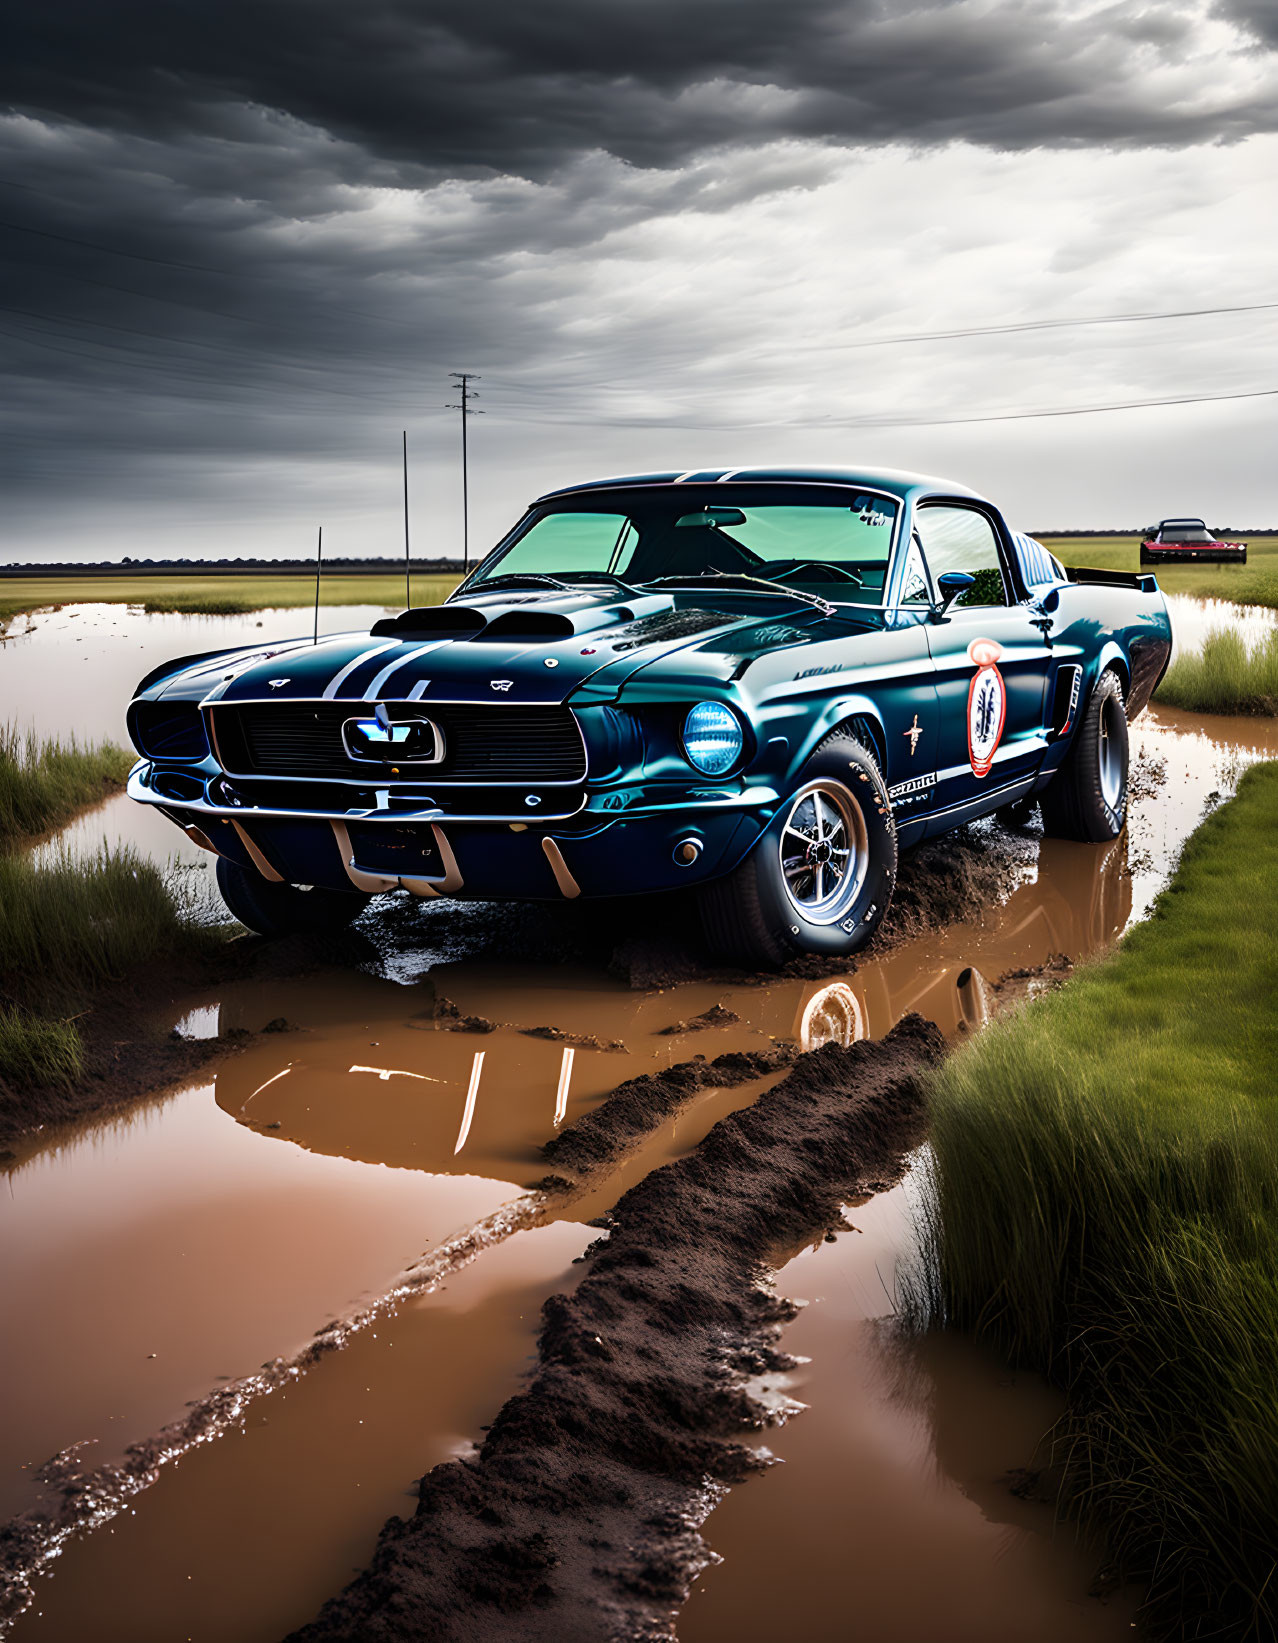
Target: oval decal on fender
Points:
(986, 705)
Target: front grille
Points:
(484, 742)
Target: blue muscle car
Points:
(757, 684)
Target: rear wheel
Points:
(1087, 798)
(284, 909)
(821, 877)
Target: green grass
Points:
(1255, 583)
(215, 595)
(71, 924)
(69, 927)
(1225, 677)
(43, 784)
(37, 1052)
(1103, 1207)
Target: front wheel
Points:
(821, 877)
(1087, 797)
(284, 909)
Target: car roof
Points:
(895, 481)
(1163, 522)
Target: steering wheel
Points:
(781, 570)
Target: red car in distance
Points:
(1175, 541)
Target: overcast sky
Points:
(245, 244)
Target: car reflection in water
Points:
(390, 1087)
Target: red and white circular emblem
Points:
(986, 705)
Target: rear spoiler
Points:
(1113, 579)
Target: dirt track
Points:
(577, 1519)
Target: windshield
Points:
(1185, 533)
(834, 543)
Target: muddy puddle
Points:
(149, 1260)
(1193, 619)
(892, 1512)
(244, 1539)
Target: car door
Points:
(990, 654)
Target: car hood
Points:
(543, 649)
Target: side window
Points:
(962, 539)
(915, 588)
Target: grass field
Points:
(1227, 676)
(66, 929)
(44, 784)
(1255, 583)
(1104, 1208)
(215, 595)
(69, 926)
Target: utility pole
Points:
(464, 379)
(408, 575)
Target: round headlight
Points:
(712, 738)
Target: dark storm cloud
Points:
(265, 231)
(455, 87)
(1258, 17)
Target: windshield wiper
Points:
(746, 584)
(520, 578)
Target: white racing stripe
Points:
(561, 1094)
(336, 683)
(477, 1067)
(374, 690)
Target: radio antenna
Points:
(319, 554)
(408, 585)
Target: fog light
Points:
(712, 738)
(686, 852)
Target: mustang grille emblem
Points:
(501, 684)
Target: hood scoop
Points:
(533, 622)
(431, 622)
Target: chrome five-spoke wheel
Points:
(824, 849)
(1111, 750)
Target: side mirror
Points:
(950, 586)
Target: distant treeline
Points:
(1216, 530)
(233, 567)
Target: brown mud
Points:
(129, 1057)
(902, 1509)
(578, 1517)
(637, 1107)
(1027, 910)
(130, 1054)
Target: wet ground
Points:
(365, 1161)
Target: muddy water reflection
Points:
(1193, 619)
(245, 1538)
(159, 1254)
(892, 1516)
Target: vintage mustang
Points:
(1177, 541)
(758, 684)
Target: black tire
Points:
(1146, 558)
(1087, 798)
(284, 909)
(756, 915)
